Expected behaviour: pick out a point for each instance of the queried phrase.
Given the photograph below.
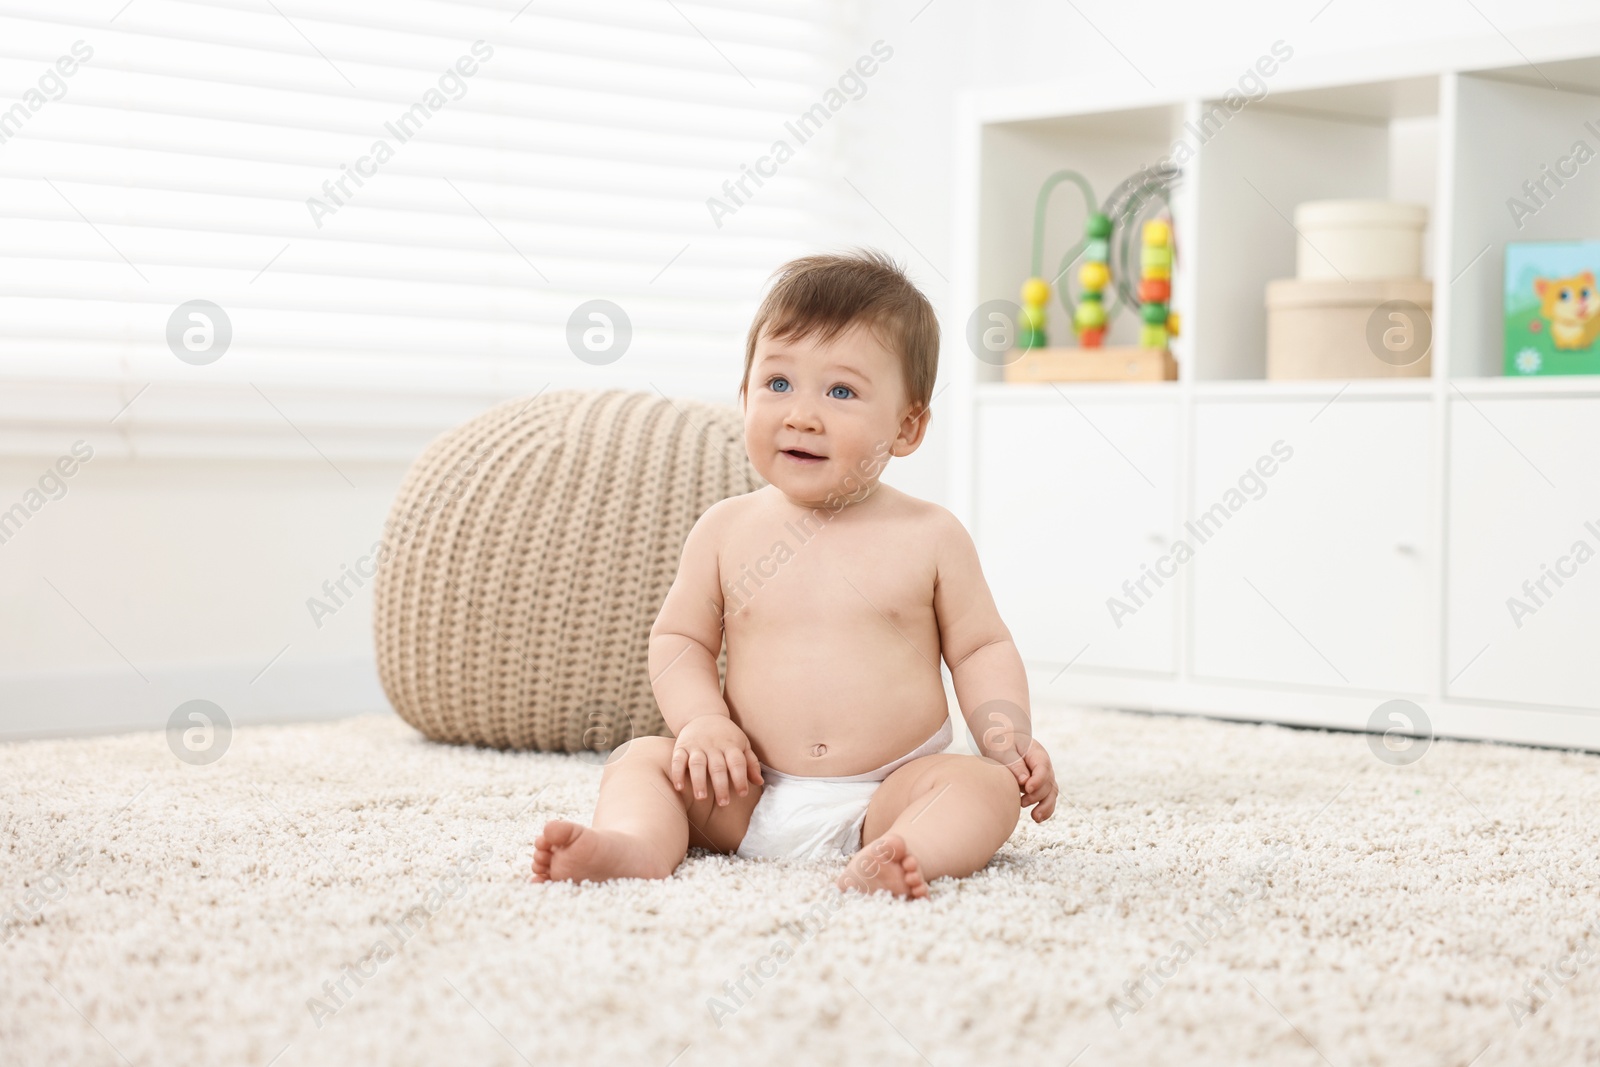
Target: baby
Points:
(837, 595)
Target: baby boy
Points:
(837, 596)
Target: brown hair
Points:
(826, 294)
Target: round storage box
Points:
(1358, 329)
(1357, 240)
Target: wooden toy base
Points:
(1112, 363)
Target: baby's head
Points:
(839, 363)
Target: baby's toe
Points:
(916, 885)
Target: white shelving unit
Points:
(1377, 560)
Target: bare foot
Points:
(884, 864)
(568, 852)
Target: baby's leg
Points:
(937, 815)
(642, 826)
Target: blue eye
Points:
(846, 388)
(774, 384)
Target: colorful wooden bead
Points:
(1092, 338)
(1157, 232)
(1153, 314)
(1094, 276)
(1155, 289)
(1156, 272)
(1033, 317)
(1154, 256)
(1036, 292)
(1097, 250)
(1152, 336)
(1098, 225)
(1172, 324)
(1089, 315)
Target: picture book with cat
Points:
(1552, 308)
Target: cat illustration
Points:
(1573, 308)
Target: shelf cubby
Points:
(1374, 140)
(1017, 158)
(1512, 127)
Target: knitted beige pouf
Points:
(526, 556)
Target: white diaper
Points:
(805, 817)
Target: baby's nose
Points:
(802, 415)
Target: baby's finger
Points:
(755, 767)
(719, 777)
(1046, 808)
(680, 761)
(697, 773)
(1022, 775)
(738, 772)
(1048, 796)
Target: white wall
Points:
(156, 581)
(178, 578)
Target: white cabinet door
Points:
(1523, 579)
(1308, 528)
(1073, 497)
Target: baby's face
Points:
(843, 402)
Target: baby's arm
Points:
(990, 681)
(684, 642)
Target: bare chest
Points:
(813, 574)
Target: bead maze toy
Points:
(1105, 285)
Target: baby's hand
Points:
(714, 746)
(1010, 741)
(1037, 780)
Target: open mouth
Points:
(803, 456)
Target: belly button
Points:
(819, 750)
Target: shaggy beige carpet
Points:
(1208, 893)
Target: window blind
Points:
(403, 194)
